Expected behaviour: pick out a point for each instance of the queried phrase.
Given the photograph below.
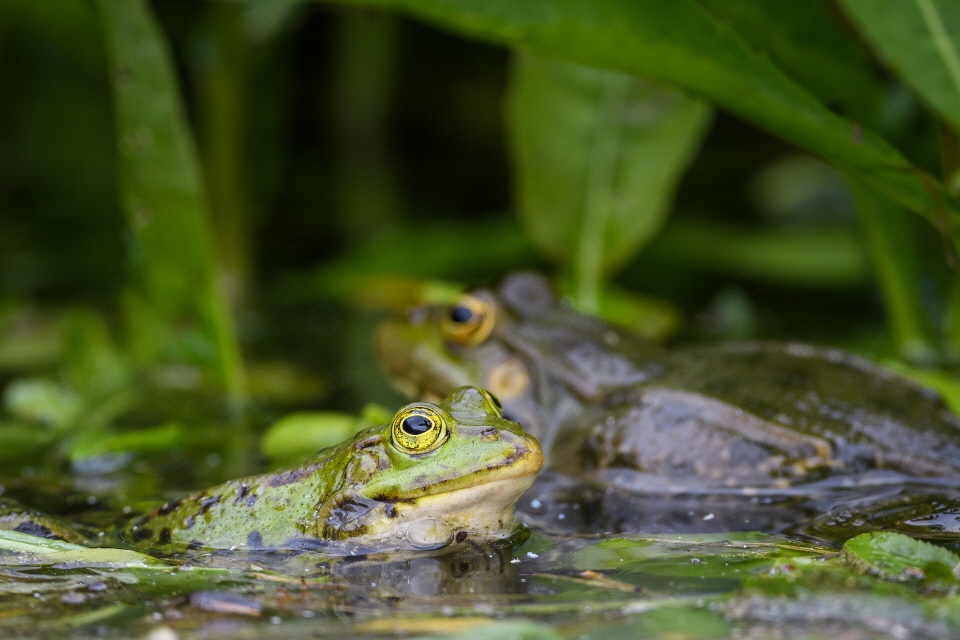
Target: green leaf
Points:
(20, 548)
(898, 557)
(174, 295)
(143, 441)
(597, 158)
(299, 435)
(91, 363)
(821, 257)
(897, 269)
(678, 43)
(43, 401)
(19, 442)
(509, 630)
(920, 39)
(648, 316)
(944, 383)
(808, 41)
(630, 553)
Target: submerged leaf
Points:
(898, 557)
(624, 553)
(23, 549)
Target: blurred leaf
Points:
(648, 316)
(18, 442)
(686, 624)
(28, 337)
(828, 257)
(79, 567)
(597, 157)
(21, 548)
(921, 40)
(170, 247)
(808, 41)
(680, 44)
(405, 267)
(373, 414)
(144, 441)
(43, 401)
(91, 362)
(895, 556)
(299, 435)
(508, 630)
(279, 382)
(263, 21)
(946, 384)
(800, 188)
(896, 266)
(630, 553)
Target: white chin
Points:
(482, 512)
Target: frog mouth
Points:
(485, 510)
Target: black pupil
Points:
(460, 314)
(417, 425)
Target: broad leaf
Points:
(921, 40)
(811, 45)
(899, 557)
(680, 44)
(597, 157)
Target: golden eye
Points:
(469, 321)
(418, 429)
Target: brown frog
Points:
(604, 401)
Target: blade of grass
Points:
(897, 270)
(171, 249)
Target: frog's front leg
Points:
(687, 436)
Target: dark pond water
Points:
(597, 560)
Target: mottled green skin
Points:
(355, 495)
(16, 517)
(750, 414)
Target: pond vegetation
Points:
(205, 208)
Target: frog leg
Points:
(16, 517)
(744, 424)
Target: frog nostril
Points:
(490, 432)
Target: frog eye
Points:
(494, 402)
(469, 321)
(418, 429)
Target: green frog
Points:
(744, 415)
(437, 474)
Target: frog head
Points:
(542, 359)
(436, 474)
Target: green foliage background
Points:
(221, 195)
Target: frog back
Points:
(275, 510)
(757, 414)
